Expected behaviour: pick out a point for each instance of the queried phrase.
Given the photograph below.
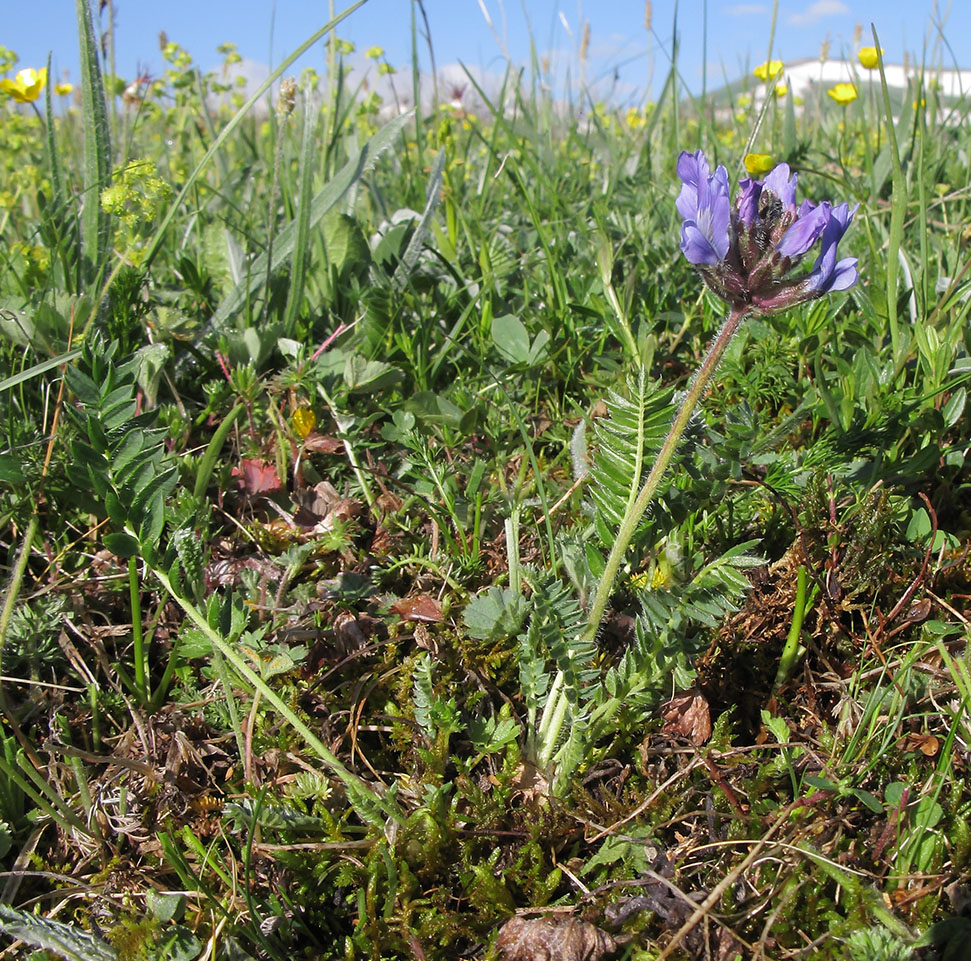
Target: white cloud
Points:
(747, 10)
(818, 10)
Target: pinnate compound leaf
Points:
(62, 939)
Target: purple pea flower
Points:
(746, 252)
(705, 209)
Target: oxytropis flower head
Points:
(747, 251)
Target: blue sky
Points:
(622, 52)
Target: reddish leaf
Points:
(257, 476)
(421, 608)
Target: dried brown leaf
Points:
(421, 608)
(927, 744)
(687, 715)
(322, 444)
(553, 939)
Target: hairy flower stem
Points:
(697, 390)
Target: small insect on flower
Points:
(869, 58)
(26, 86)
(843, 93)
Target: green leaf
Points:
(165, 907)
(413, 251)
(361, 374)
(11, 471)
(344, 242)
(954, 408)
(97, 148)
(177, 944)
(868, 799)
(511, 338)
(298, 274)
(489, 734)
(63, 939)
(494, 615)
(285, 241)
(434, 409)
(150, 529)
(121, 544)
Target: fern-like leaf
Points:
(626, 440)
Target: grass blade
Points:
(97, 150)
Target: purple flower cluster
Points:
(747, 251)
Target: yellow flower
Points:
(869, 57)
(843, 93)
(781, 89)
(771, 68)
(758, 163)
(64, 89)
(304, 421)
(374, 53)
(26, 86)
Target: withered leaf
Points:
(422, 608)
(927, 744)
(687, 715)
(553, 939)
(322, 444)
(257, 476)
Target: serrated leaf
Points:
(494, 615)
(370, 375)
(489, 734)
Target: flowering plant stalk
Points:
(748, 253)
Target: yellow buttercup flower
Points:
(771, 68)
(758, 163)
(64, 89)
(843, 93)
(781, 89)
(304, 421)
(869, 57)
(26, 86)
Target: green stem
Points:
(138, 644)
(792, 647)
(360, 794)
(555, 710)
(694, 395)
